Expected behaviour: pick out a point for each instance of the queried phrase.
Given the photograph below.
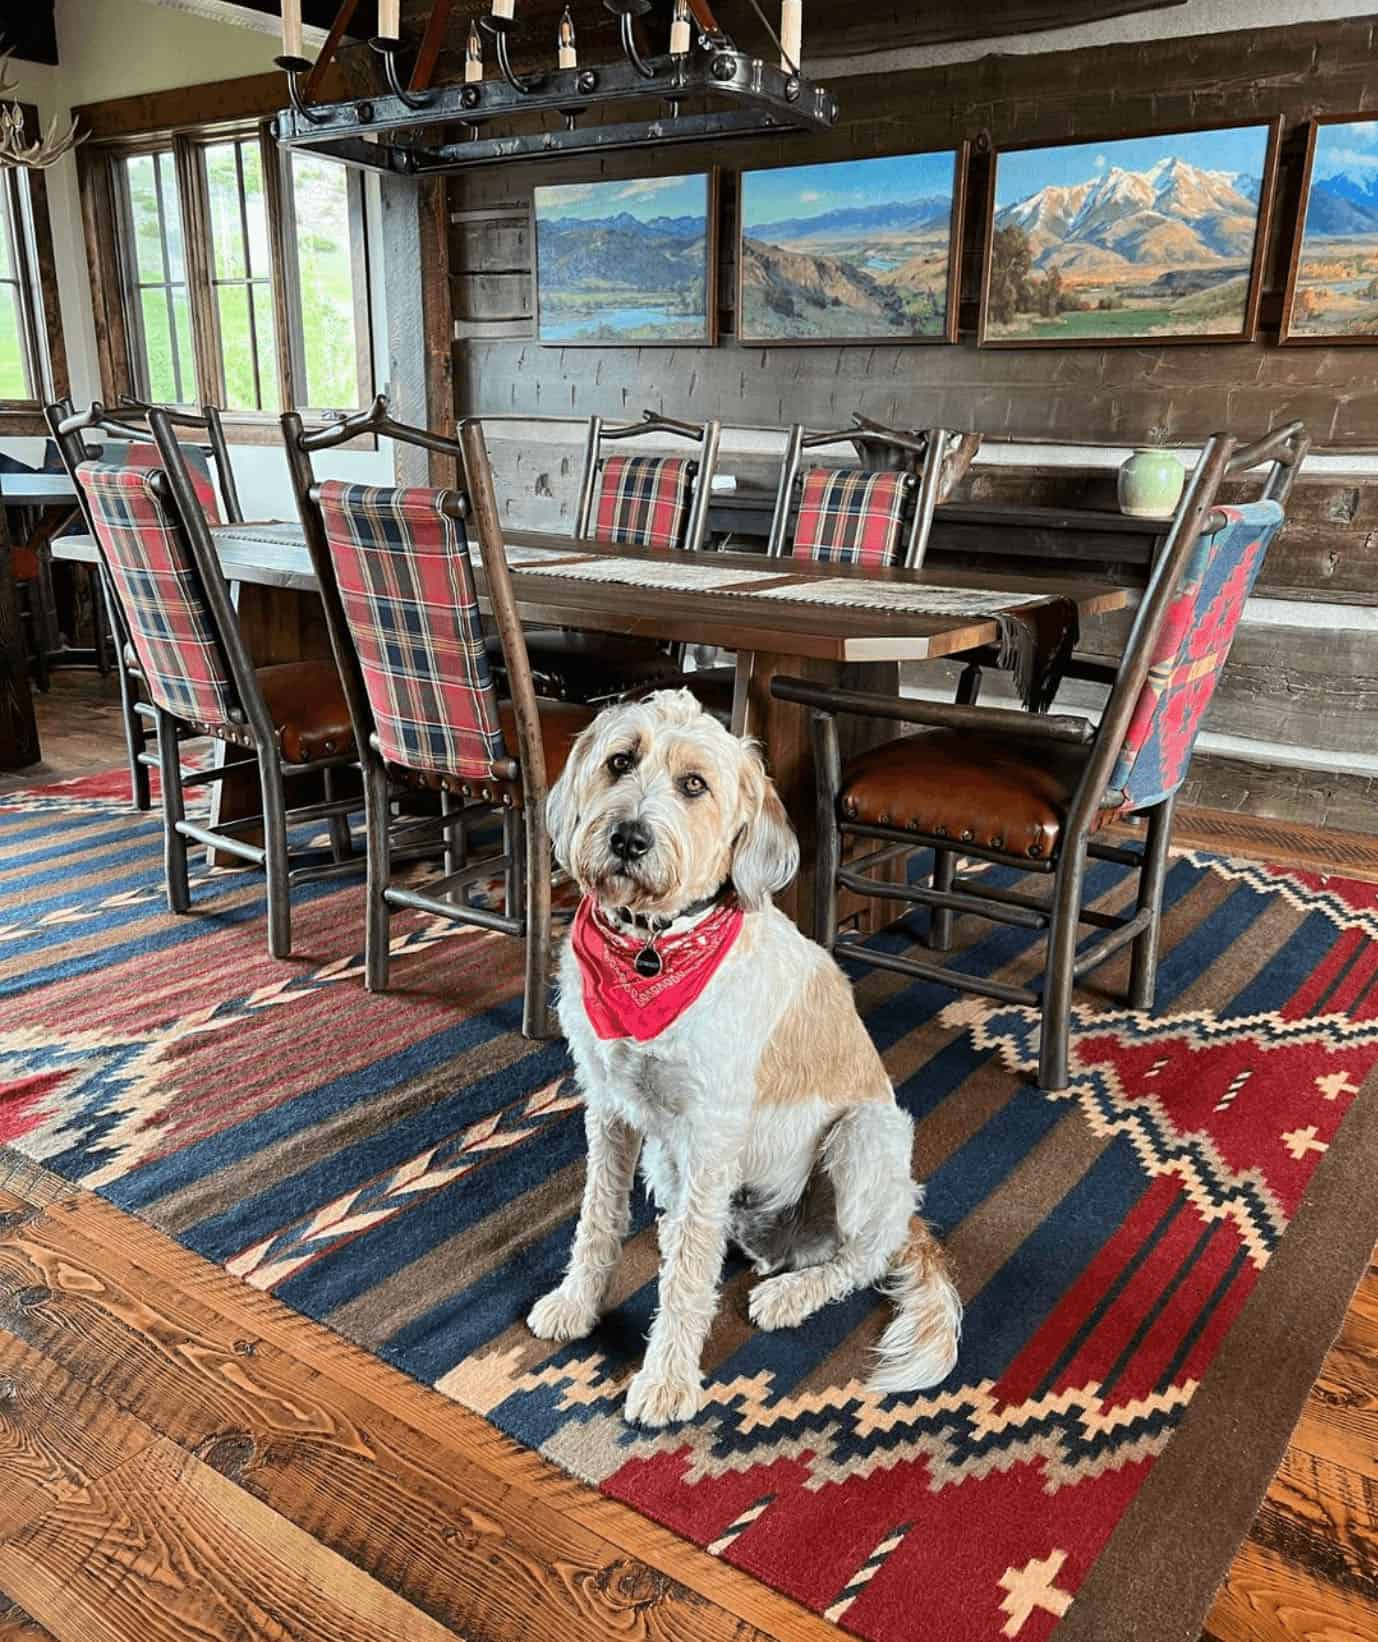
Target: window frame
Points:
(105, 199)
(26, 202)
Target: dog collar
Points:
(655, 924)
(624, 997)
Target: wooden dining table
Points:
(776, 615)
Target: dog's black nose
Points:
(629, 840)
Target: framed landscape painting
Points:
(627, 263)
(857, 251)
(1332, 285)
(1156, 238)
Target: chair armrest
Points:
(939, 715)
(1091, 669)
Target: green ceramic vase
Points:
(1150, 484)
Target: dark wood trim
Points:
(709, 338)
(437, 321)
(1287, 337)
(96, 185)
(316, 80)
(255, 97)
(961, 155)
(280, 205)
(1262, 236)
(432, 42)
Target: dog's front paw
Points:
(561, 1316)
(656, 1398)
(784, 1301)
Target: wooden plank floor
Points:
(181, 1456)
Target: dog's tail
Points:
(919, 1348)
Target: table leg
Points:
(18, 727)
(782, 728)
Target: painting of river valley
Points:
(852, 251)
(1334, 288)
(627, 262)
(1142, 238)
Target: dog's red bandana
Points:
(618, 1001)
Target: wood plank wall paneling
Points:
(1291, 682)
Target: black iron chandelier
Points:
(734, 94)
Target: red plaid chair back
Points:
(137, 454)
(1190, 654)
(160, 595)
(407, 589)
(643, 501)
(850, 516)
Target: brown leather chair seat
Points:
(561, 721)
(576, 666)
(1002, 794)
(307, 705)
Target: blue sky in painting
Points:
(1347, 151)
(1020, 174)
(645, 198)
(810, 190)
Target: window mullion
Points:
(131, 304)
(277, 199)
(197, 257)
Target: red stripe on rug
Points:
(1179, 1316)
(1033, 1365)
(1115, 1329)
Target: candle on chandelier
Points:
(791, 33)
(569, 57)
(679, 30)
(291, 28)
(473, 55)
(503, 8)
(389, 19)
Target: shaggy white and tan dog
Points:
(761, 1112)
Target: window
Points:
(244, 274)
(156, 278)
(32, 364)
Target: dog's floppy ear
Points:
(765, 854)
(562, 802)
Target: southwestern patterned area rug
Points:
(1153, 1263)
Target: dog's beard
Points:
(653, 883)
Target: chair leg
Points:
(969, 685)
(100, 623)
(376, 938)
(341, 845)
(532, 846)
(940, 919)
(1143, 963)
(827, 760)
(174, 810)
(275, 853)
(1058, 980)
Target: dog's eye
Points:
(693, 786)
(620, 763)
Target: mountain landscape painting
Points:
(627, 262)
(1334, 289)
(851, 251)
(1153, 238)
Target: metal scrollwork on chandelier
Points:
(732, 93)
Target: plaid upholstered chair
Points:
(1032, 791)
(165, 580)
(641, 499)
(402, 604)
(122, 439)
(878, 515)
